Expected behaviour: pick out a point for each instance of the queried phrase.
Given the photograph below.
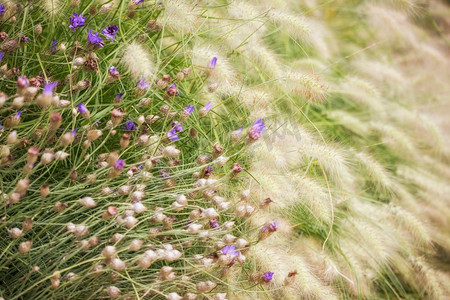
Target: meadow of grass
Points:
(193, 149)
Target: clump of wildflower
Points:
(267, 277)
(267, 230)
(113, 74)
(187, 112)
(205, 110)
(255, 132)
(142, 87)
(94, 39)
(54, 46)
(130, 126)
(76, 21)
(110, 32)
(83, 111)
(172, 90)
(45, 98)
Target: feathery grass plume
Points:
(349, 121)
(363, 93)
(425, 180)
(308, 85)
(393, 26)
(333, 161)
(316, 198)
(411, 224)
(139, 61)
(224, 74)
(410, 6)
(377, 174)
(295, 26)
(426, 277)
(276, 254)
(396, 139)
(383, 73)
(179, 16)
(264, 59)
(248, 20)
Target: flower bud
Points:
(206, 286)
(47, 158)
(45, 190)
(60, 206)
(111, 290)
(109, 251)
(88, 202)
(171, 151)
(25, 247)
(92, 135)
(138, 207)
(27, 224)
(15, 232)
(174, 296)
(37, 30)
(55, 121)
(135, 245)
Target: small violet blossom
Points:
(267, 277)
(2, 54)
(94, 39)
(113, 72)
(82, 108)
(229, 250)
(165, 173)
(142, 84)
(22, 81)
(76, 21)
(212, 63)
(119, 165)
(177, 126)
(272, 227)
(54, 46)
(49, 88)
(189, 110)
(129, 126)
(257, 128)
(2, 10)
(110, 32)
(172, 135)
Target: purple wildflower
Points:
(2, 10)
(208, 171)
(229, 250)
(54, 46)
(120, 164)
(177, 126)
(208, 106)
(172, 135)
(73, 132)
(48, 90)
(214, 223)
(140, 167)
(113, 72)
(94, 39)
(137, 2)
(76, 21)
(165, 173)
(82, 108)
(257, 128)
(2, 54)
(118, 98)
(267, 277)
(97, 123)
(172, 90)
(110, 32)
(212, 63)
(129, 126)
(24, 38)
(22, 81)
(189, 109)
(18, 114)
(272, 227)
(142, 84)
